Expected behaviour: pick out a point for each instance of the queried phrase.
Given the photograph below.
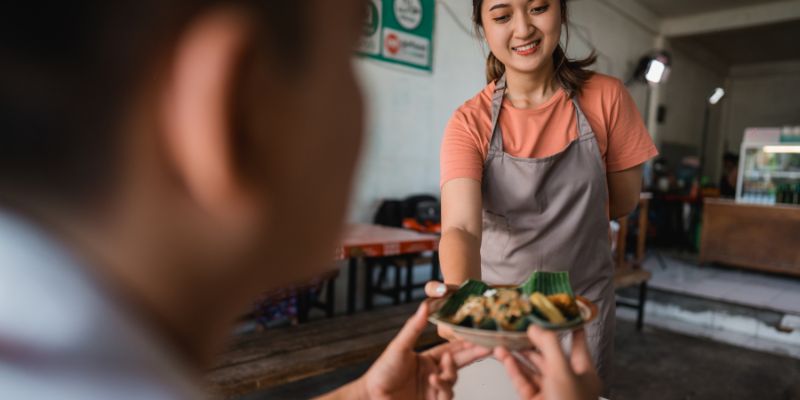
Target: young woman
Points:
(538, 161)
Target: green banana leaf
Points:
(545, 282)
(468, 288)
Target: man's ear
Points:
(196, 112)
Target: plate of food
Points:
(492, 316)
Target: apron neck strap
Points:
(584, 129)
(496, 142)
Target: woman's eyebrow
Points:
(500, 5)
(503, 5)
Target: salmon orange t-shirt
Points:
(547, 129)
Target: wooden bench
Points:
(629, 273)
(277, 356)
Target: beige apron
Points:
(550, 214)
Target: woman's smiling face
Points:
(522, 34)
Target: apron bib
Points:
(550, 214)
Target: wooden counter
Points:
(752, 236)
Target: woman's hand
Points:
(557, 377)
(401, 373)
(436, 289)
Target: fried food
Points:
(566, 304)
(474, 308)
(511, 310)
(507, 306)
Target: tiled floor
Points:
(750, 288)
(744, 308)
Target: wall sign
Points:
(399, 31)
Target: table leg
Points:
(641, 238)
(398, 286)
(642, 301)
(409, 277)
(369, 286)
(435, 266)
(330, 298)
(352, 269)
(303, 305)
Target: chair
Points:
(393, 213)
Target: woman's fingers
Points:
(438, 289)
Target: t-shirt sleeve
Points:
(629, 143)
(461, 155)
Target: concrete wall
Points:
(760, 95)
(620, 40)
(685, 97)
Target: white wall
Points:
(407, 112)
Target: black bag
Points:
(390, 213)
(423, 208)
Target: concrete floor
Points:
(652, 365)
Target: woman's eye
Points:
(539, 10)
(501, 19)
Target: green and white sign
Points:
(399, 31)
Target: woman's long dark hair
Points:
(570, 74)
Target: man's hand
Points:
(401, 373)
(557, 377)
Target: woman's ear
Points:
(196, 112)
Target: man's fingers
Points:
(449, 347)
(445, 332)
(580, 358)
(438, 289)
(412, 329)
(469, 355)
(463, 353)
(547, 343)
(521, 381)
(448, 369)
(439, 389)
(538, 361)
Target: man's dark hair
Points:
(68, 70)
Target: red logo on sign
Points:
(392, 43)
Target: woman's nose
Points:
(523, 27)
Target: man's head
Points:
(183, 145)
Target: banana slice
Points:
(547, 309)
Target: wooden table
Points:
(360, 241)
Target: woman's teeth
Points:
(528, 46)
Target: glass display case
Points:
(769, 166)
